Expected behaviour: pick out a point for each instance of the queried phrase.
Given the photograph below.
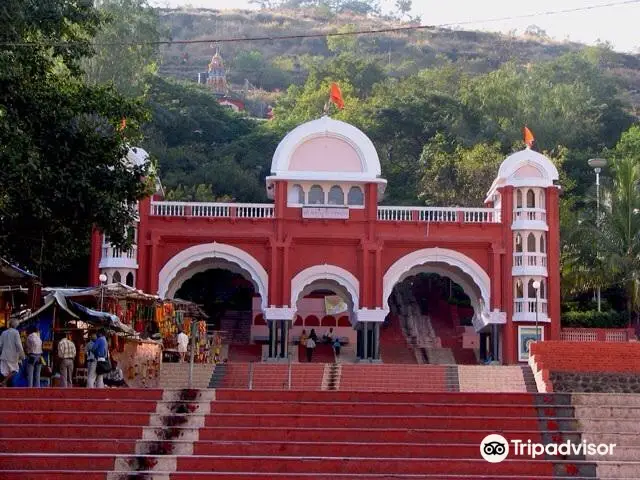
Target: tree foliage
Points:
(125, 66)
(60, 147)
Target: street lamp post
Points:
(597, 164)
(103, 280)
(536, 286)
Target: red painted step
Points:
(56, 462)
(338, 450)
(423, 422)
(105, 418)
(362, 465)
(296, 476)
(71, 431)
(328, 434)
(451, 398)
(84, 405)
(63, 445)
(52, 475)
(80, 393)
(326, 408)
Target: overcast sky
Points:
(615, 24)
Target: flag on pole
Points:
(336, 96)
(529, 139)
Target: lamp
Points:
(103, 280)
(536, 287)
(597, 164)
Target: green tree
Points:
(61, 149)
(455, 175)
(605, 252)
(128, 66)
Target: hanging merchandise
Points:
(187, 326)
(202, 332)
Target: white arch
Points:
(182, 265)
(327, 127)
(406, 266)
(325, 272)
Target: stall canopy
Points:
(79, 312)
(13, 276)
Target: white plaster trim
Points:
(532, 225)
(528, 157)
(327, 126)
(183, 260)
(530, 317)
(325, 272)
(527, 271)
(365, 315)
(282, 313)
(406, 266)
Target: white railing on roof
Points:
(212, 210)
(111, 252)
(439, 214)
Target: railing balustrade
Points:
(529, 306)
(530, 259)
(111, 252)
(212, 210)
(530, 214)
(438, 214)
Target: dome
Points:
(525, 168)
(137, 157)
(326, 149)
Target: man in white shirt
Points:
(183, 343)
(11, 352)
(34, 354)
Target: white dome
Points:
(326, 149)
(137, 156)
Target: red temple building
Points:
(326, 231)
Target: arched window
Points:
(336, 196)
(316, 195)
(541, 201)
(116, 277)
(531, 292)
(355, 196)
(129, 280)
(531, 242)
(542, 245)
(531, 199)
(518, 198)
(543, 293)
(518, 243)
(519, 289)
(296, 195)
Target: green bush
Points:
(594, 319)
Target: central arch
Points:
(318, 274)
(199, 258)
(445, 262)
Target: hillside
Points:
(274, 65)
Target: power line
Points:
(334, 34)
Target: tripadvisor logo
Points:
(495, 448)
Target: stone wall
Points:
(595, 382)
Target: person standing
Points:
(311, 344)
(11, 352)
(67, 354)
(91, 361)
(183, 343)
(34, 356)
(101, 352)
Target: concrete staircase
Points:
(127, 434)
(176, 375)
(237, 327)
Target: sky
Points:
(615, 24)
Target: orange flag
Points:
(336, 96)
(529, 139)
(123, 124)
